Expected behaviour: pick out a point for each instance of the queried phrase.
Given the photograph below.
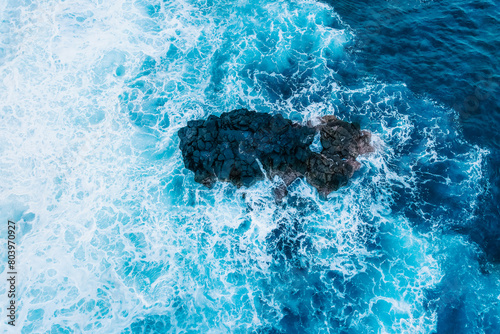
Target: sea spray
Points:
(116, 237)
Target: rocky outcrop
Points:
(244, 146)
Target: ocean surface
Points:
(114, 235)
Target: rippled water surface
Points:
(114, 235)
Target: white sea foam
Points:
(113, 230)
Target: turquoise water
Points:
(116, 237)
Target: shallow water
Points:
(116, 237)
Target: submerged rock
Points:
(244, 146)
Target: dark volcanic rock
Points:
(244, 146)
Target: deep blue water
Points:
(116, 237)
(450, 52)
